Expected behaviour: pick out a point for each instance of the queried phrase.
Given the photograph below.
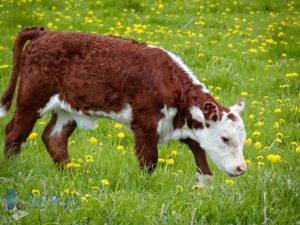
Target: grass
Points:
(248, 49)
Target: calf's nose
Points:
(241, 168)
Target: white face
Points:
(223, 141)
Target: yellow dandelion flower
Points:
(283, 55)
(70, 165)
(251, 117)
(260, 157)
(71, 142)
(65, 192)
(277, 110)
(35, 192)
(253, 50)
(121, 135)
(297, 149)
(93, 140)
(120, 148)
(294, 143)
(4, 66)
(197, 187)
(179, 188)
(174, 153)
(244, 94)
(294, 74)
(75, 193)
(49, 25)
(118, 126)
(229, 181)
(274, 158)
(258, 145)
(32, 136)
(248, 141)
(276, 125)
(170, 161)
(261, 163)
(89, 158)
(161, 160)
(104, 182)
(248, 161)
(256, 133)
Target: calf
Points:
(79, 77)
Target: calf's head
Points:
(223, 138)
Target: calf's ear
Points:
(211, 112)
(238, 106)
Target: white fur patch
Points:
(67, 114)
(197, 114)
(3, 112)
(184, 67)
(165, 125)
(166, 130)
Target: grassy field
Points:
(248, 49)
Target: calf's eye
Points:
(225, 140)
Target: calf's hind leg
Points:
(17, 131)
(57, 142)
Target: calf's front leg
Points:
(204, 174)
(146, 148)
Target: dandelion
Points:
(197, 187)
(257, 145)
(256, 133)
(283, 55)
(277, 110)
(291, 74)
(173, 153)
(274, 158)
(4, 66)
(65, 192)
(170, 162)
(260, 158)
(118, 125)
(261, 163)
(89, 158)
(244, 94)
(93, 140)
(49, 25)
(297, 149)
(73, 165)
(251, 117)
(248, 161)
(121, 135)
(248, 141)
(35, 192)
(276, 125)
(179, 188)
(75, 193)
(294, 143)
(105, 182)
(161, 160)
(253, 50)
(32, 136)
(120, 148)
(229, 181)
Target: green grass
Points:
(244, 47)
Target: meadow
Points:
(238, 48)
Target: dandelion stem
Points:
(193, 216)
(265, 208)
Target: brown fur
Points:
(100, 73)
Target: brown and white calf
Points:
(79, 77)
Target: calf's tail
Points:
(23, 36)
